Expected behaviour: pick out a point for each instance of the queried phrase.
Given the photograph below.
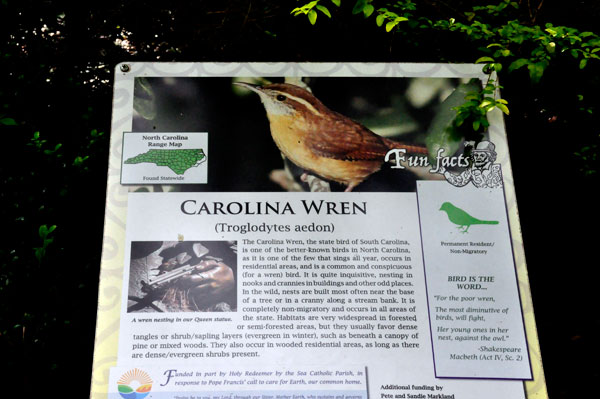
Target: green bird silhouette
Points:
(461, 218)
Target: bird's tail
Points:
(410, 148)
(487, 222)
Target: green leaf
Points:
(380, 19)
(368, 10)
(390, 25)
(535, 72)
(337, 2)
(484, 59)
(582, 63)
(521, 62)
(502, 107)
(39, 254)
(485, 103)
(324, 10)
(476, 125)
(8, 122)
(359, 6)
(312, 17)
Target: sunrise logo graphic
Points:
(134, 384)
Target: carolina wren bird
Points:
(320, 140)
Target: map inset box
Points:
(164, 158)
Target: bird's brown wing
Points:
(345, 139)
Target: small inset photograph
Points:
(183, 276)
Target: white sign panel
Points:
(310, 231)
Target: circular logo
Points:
(134, 384)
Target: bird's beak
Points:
(254, 88)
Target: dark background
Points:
(56, 65)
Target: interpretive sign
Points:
(310, 231)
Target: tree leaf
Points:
(337, 2)
(484, 59)
(43, 231)
(312, 17)
(368, 10)
(359, 6)
(582, 63)
(485, 103)
(379, 20)
(8, 122)
(503, 108)
(521, 62)
(390, 25)
(324, 10)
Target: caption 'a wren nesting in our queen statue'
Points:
(320, 140)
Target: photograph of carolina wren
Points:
(333, 132)
(321, 141)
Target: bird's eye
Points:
(280, 97)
